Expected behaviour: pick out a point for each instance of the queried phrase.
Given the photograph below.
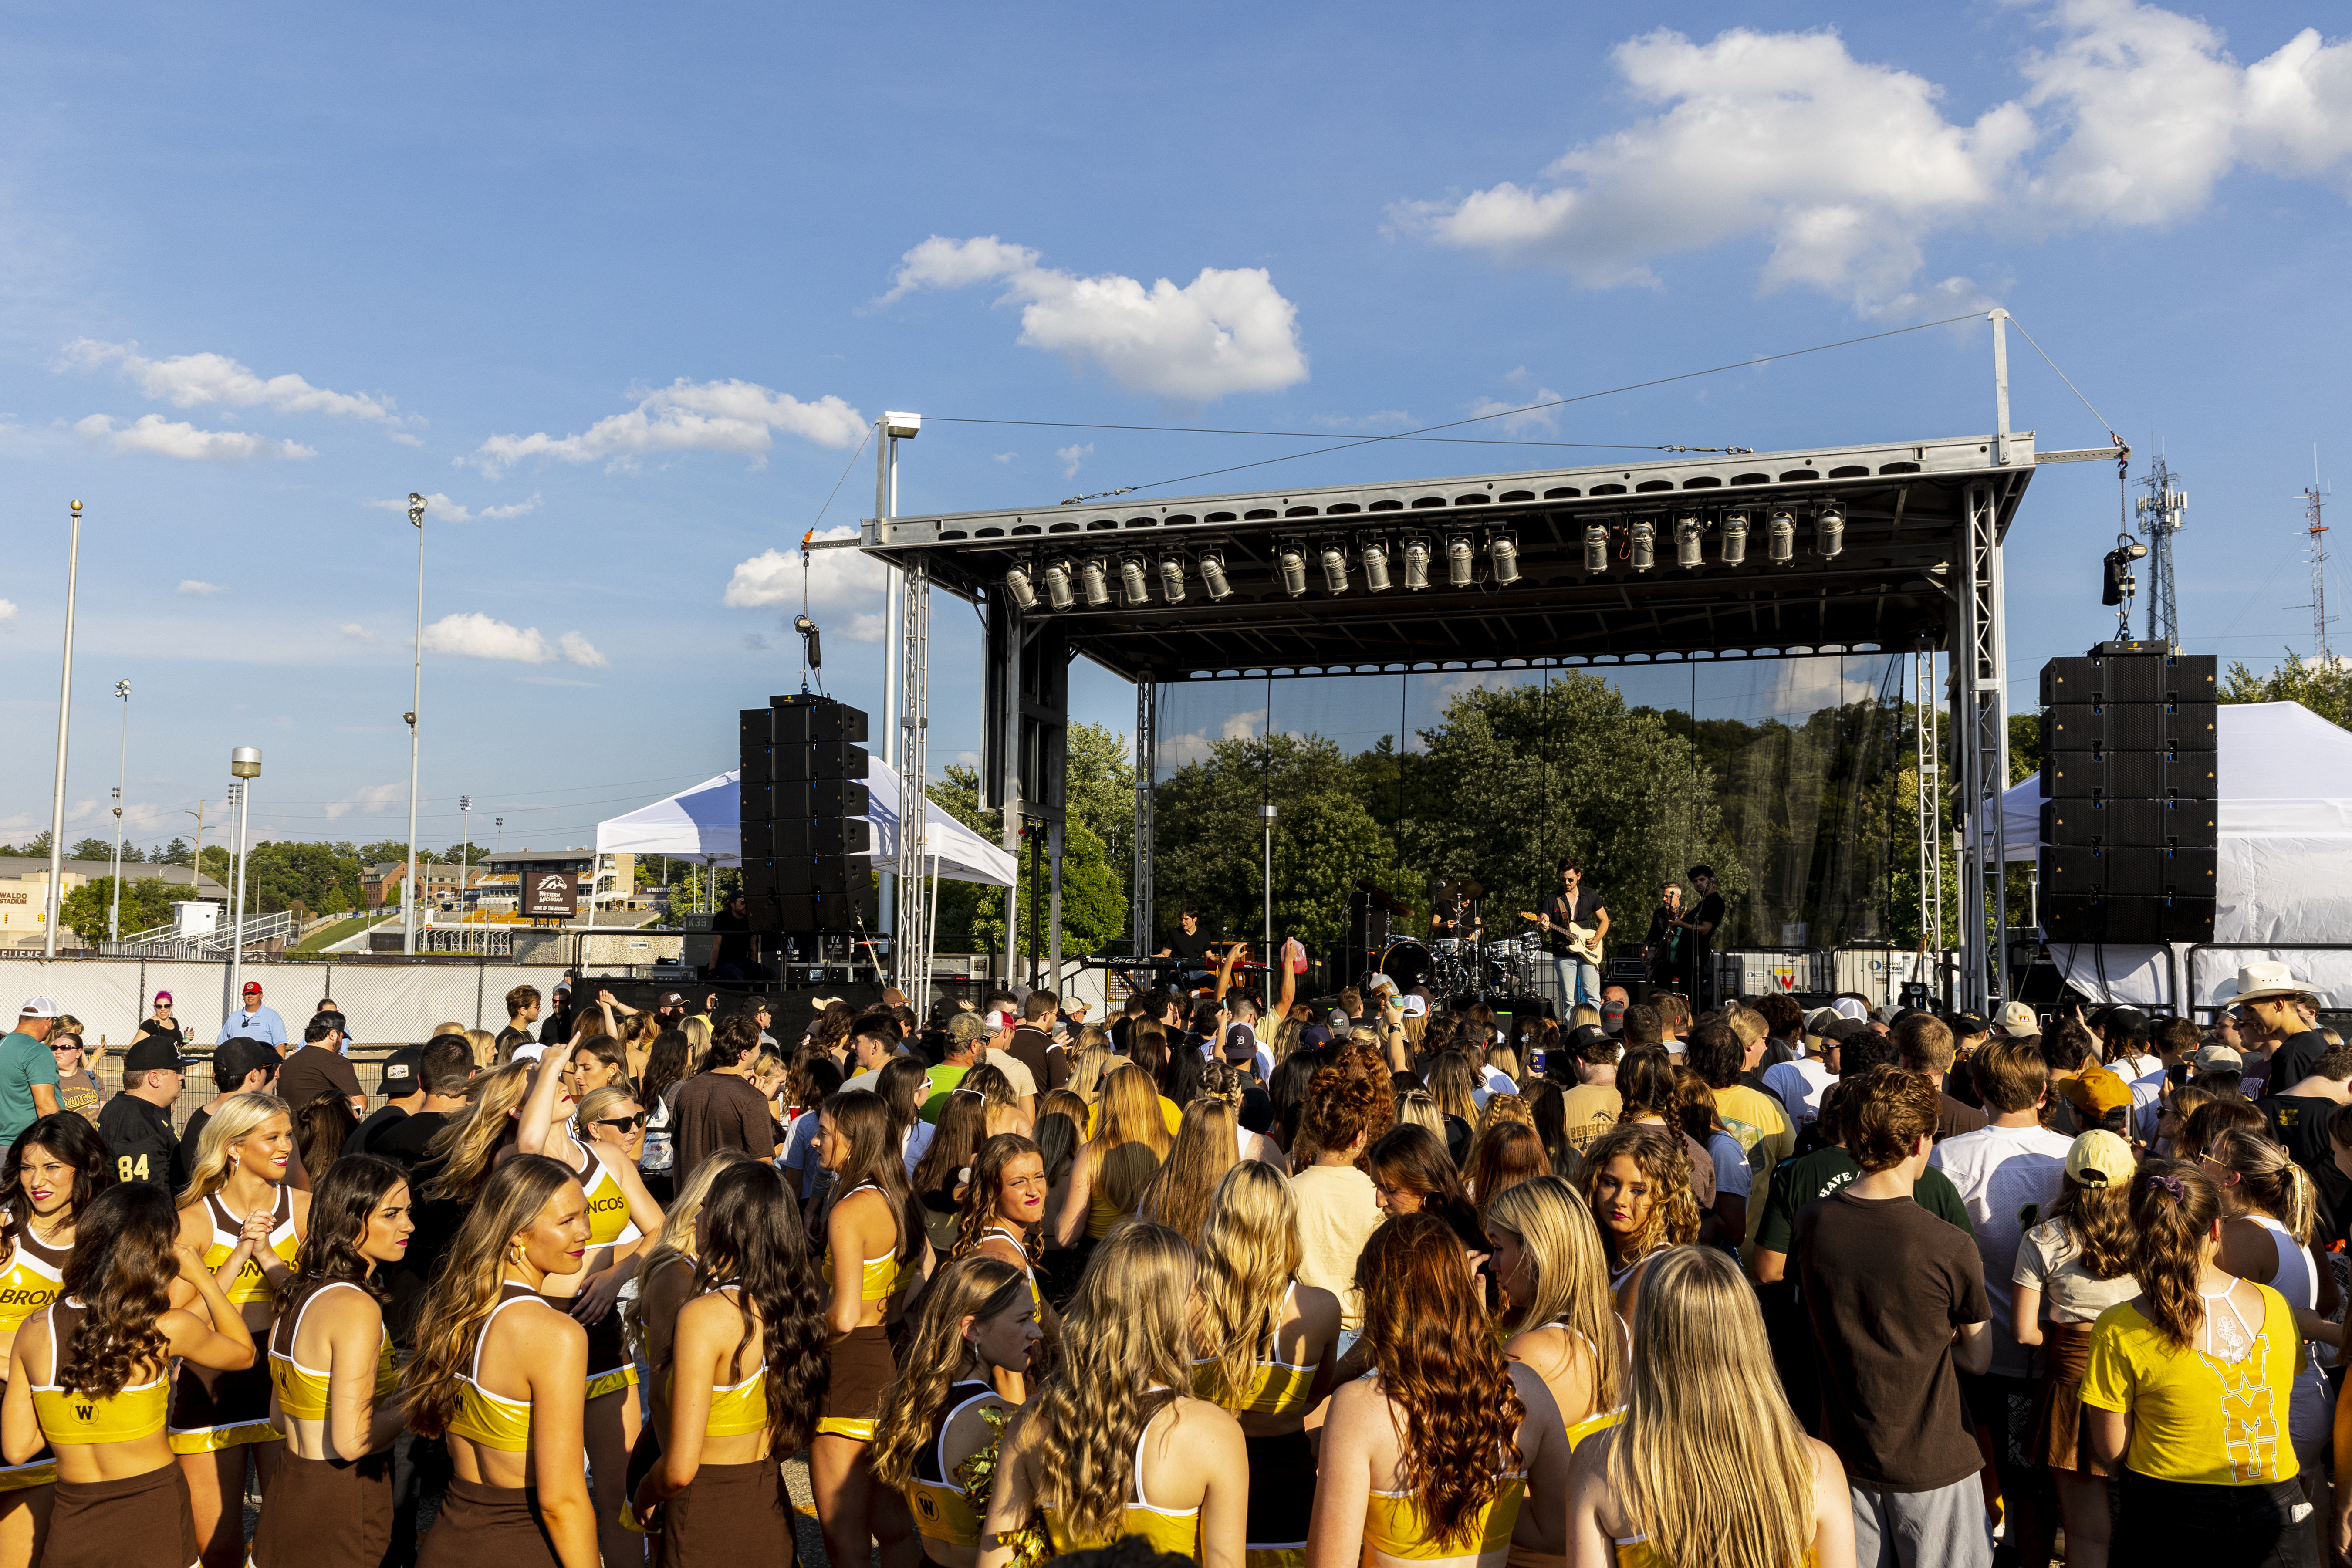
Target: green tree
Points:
(2324, 689)
(91, 849)
(36, 847)
(1094, 906)
(1100, 793)
(146, 904)
(175, 853)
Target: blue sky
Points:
(622, 286)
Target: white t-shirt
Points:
(1015, 1071)
(1799, 1083)
(2135, 1068)
(2049, 1261)
(1493, 1081)
(2008, 1177)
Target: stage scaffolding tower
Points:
(918, 916)
(1929, 748)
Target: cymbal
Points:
(1461, 888)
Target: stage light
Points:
(1781, 538)
(1461, 562)
(1335, 569)
(1212, 577)
(1504, 551)
(1735, 538)
(1131, 578)
(1058, 584)
(1172, 578)
(1094, 582)
(1374, 554)
(1416, 564)
(1291, 563)
(1017, 580)
(1829, 530)
(1645, 545)
(1596, 547)
(1690, 543)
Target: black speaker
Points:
(755, 764)
(823, 836)
(2168, 824)
(821, 797)
(2179, 678)
(2084, 775)
(2130, 727)
(2123, 920)
(817, 874)
(759, 875)
(756, 727)
(759, 801)
(818, 760)
(2138, 871)
(825, 911)
(799, 718)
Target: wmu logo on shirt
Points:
(2249, 1423)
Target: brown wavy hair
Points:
(977, 1208)
(466, 1284)
(2098, 1221)
(937, 1357)
(345, 1196)
(1505, 1154)
(754, 1241)
(2173, 1207)
(120, 1271)
(1345, 1101)
(1441, 1367)
(1662, 1157)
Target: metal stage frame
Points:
(1885, 547)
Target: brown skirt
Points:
(325, 1513)
(730, 1515)
(862, 1368)
(138, 1521)
(488, 1527)
(2060, 1439)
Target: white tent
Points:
(703, 825)
(2285, 864)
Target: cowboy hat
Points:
(2260, 982)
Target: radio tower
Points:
(2160, 518)
(2312, 501)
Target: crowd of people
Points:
(1375, 1279)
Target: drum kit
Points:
(1480, 965)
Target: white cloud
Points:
(1363, 421)
(1847, 166)
(8, 611)
(836, 577)
(737, 417)
(196, 590)
(1227, 330)
(177, 438)
(195, 381)
(866, 627)
(1518, 416)
(1072, 457)
(372, 801)
(439, 508)
(476, 636)
(356, 632)
(1006, 456)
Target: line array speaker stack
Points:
(804, 798)
(2130, 770)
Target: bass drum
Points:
(1406, 961)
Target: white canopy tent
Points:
(2285, 865)
(704, 824)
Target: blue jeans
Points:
(1579, 980)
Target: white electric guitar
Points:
(1585, 944)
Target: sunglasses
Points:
(621, 1123)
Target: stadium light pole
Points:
(243, 765)
(121, 778)
(1267, 813)
(415, 703)
(465, 855)
(65, 711)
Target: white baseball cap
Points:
(1415, 1006)
(1850, 1007)
(37, 1007)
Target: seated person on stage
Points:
(735, 946)
(1190, 944)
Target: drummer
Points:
(1454, 916)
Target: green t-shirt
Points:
(944, 1078)
(1809, 1178)
(24, 1062)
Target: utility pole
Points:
(465, 860)
(199, 863)
(2161, 513)
(415, 703)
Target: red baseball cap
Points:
(253, 988)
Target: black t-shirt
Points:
(733, 941)
(403, 1142)
(367, 1131)
(1191, 948)
(1709, 915)
(508, 1038)
(2295, 1059)
(1585, 912)
(191, 1137)
(138, 1138)
(2299, 1123)
(171, 1034)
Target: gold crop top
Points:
(1278, 1388)
(251, 1283)
(737, 1409)
(66, 1416)
(609, 1222)
(942, 1513)
(493, 1420)
(303, 1393)
(35, 1275)
(880, 1278)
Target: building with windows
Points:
(24, 890)
(606, 881)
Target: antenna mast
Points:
(2317, 532)
(2161, 513)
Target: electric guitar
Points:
(1583, 943)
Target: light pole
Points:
(121, 778)
(415, 702)
(1265, 813)
(243, 763)
(465, 855)
(65, 711)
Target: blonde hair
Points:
(469, 1139)
(2268, 1179)
(1130, 1112)
(1556, 1229)
(675, 1242)
(1125, 1175)
(1125, 1348)
(1205, 1150)
(238, 1119)
(1092, 1063)
(466, 1285)
(1710, 1464)
(697, 1044)
(1505, 1108)
(452, 1027)
(1504, 1060)
(485, 1044)
(1415, 1108)
(937, 1357)
(1249, 1251)
(599, 1104)
(1585, 1013)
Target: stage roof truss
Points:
(1890, 584)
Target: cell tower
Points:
(2160, 517)
(2317, 548)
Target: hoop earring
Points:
(514, 1253)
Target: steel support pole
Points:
(1980, 716)
(1147, 746)
(2000, 319)
(911, 938)
(122, 781)
(1054, 905)
(1014, 633)
(236, 988)
(65, 715)
(894, 663)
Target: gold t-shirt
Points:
(2194, 1417)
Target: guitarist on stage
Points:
(1575, 953)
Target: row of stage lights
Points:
(1066, 580)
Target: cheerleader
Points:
(503, 1374)
(51, 1174)
(87, 1375)
(1003, 1211)
(331, 1367)
(621, 1214)
(247, 1223)
(665, 1285)
(978, 1327)
(875, 1253)
(742, 1382)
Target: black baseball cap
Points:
(233, 1059)
(400, 1071)
(155, 1055)
(1585, 1035)
(1612, 1018)
(1844, 1029)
